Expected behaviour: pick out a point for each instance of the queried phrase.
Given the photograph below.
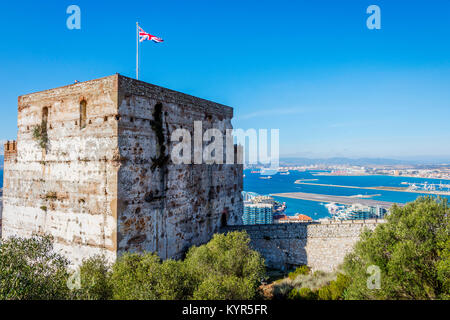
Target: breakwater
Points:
(348, 200)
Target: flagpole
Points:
(137, 50)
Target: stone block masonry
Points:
(104, 182)
(1, 210)
(319, 245)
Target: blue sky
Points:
(310, 68)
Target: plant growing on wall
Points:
(40, 134)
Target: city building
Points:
(256, 208)
(292, 219)
(355, 212)
(257, 213)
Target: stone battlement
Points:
(320, 245)
(10, 150)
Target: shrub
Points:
(40, 134)
(144, 277)
(339, 286)
(302, 270)
(314, 281)
(302, 294)
(322, 285)
(175, 282)
(225, 287)
(282, 289)
(411, 250)
(95, 279)
(30, 269)
(335, 289)
(224, 268)
(443, 268)
(225, 260)
(324, 293)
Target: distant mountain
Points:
(353, 162)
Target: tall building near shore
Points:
(91, 167)
(257, 213)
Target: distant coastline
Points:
(420, 161)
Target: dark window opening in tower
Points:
(83, 114)
(223, 220)
(45, 115)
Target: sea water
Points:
(316, 210)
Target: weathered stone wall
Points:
(69, 189)
(1, 210)
(103, 184)
(321, 246)
(167, 208)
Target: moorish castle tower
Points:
(92, 168)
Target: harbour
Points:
(313, 196)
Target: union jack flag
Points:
(147, 36)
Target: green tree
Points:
(175, 282)
(412, 251)
(443, 268)
(226, 267)
(225, 287)
(304, 293)
(134, 276)
(95, 279)
(144, 277)
(30, 269)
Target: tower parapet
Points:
(10, 149)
